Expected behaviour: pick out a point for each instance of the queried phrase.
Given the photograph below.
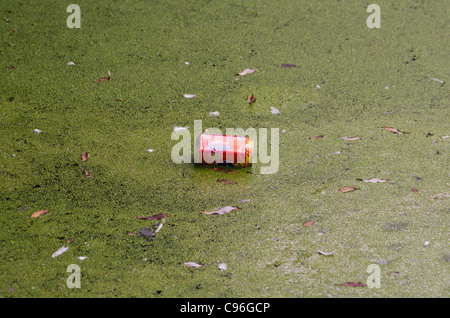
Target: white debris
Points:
(274, 111)
(223, 267)
(187, 63)
(374, 180)
(176, 128)
(426, 243)
(213, 114)
(71, 63)
(336, 152)
(189, 96)
(37, 131)
(82, 258)
(325, 253)
(60, 251)
(149, 150)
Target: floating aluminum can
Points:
(224, 150)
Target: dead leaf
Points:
(39, 213)
(147, 234)
(11, 67)
(325, 253)
(193, 264)
(309, 223)
(121, 99)
(288, 65)
(69, 240)
(393, 130)
(86, 173)
(60, 251)
(316, 137)
(347, 189)
(415, 190)
(223, 170)
(131, 234)
(223, 210)
(106, 78)
(353, 284)
(225, 181)
(247, 71)
(84, 156)
(373, 180)
(251, 99)
(350, 138)
(274, 111)
(153, 217)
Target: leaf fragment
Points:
(60, 251)
(373, 180)
(274, 111)
(325, 253)
(309, 223)
(223, 210)
(84, 156)
(353, 284)
(225, 181)
(251, 99)
(193, 264)
(39, 213)
(316, 137)
(106, 78)
(288, 65)
(415, 190)
(176, 128)
(247, 71)
(153, 217)
(347, 189)
(393, 130)
(86, 173)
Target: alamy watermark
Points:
(182, 152)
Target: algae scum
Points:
(349, 81)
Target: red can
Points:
(224, 149)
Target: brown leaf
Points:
(251, 99)
(415, 190)
(69, 240)
(39, 213)
(223, 170)
(84, 156)
(247, 71)
(193, 264)
(393, 130)
(11, 66)
(309, 223)
(131, 234)
(86, 173)
(223, 210)
(288, 65)
(353, 284)
(106, 78)
(153, 217)
(347, 189)
(225, 181)
(316, 137)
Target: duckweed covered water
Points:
(350, 80)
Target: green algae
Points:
(368, 78)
